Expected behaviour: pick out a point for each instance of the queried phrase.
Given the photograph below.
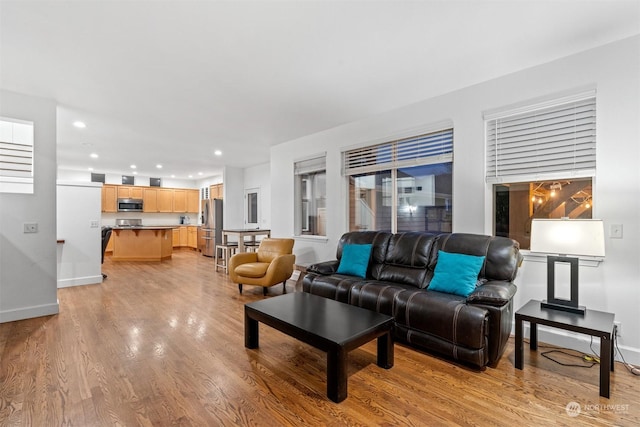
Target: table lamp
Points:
(564, 237)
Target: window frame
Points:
(20, 180)
(314, 166)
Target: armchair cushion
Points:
(252, 269)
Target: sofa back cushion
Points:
(378, 241)
(502, 255)
(407, 259)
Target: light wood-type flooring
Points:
(160, 344)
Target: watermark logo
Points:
(573, 409)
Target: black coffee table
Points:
(325, 324)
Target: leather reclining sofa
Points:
(472, 330)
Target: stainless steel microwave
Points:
(130, 205)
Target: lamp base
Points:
(571, 309)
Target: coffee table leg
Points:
(337, 374)
(385, 351)
(250, 331)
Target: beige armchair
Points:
(271, 264)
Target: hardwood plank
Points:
(162, 344)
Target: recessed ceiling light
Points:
(159, 166)
(80, 125)
(199, 173)
(190, 176)
(93, 155)
(133, 166)
(135, 172)
(173, 176)
(218, 153)
(90, 169)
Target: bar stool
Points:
(251, 246)
(225, 252)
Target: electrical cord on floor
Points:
(592, 359)
(633, 369)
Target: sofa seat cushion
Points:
(446, 316)
(252, 269)
(336, 286)
(377, 295)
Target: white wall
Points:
(233, 205)
(78, 223)
(28, 261)
(614, 70)
(114, 178)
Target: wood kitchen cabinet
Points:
(180, 200)
(165, 200)
(216, 191)
(184, 238)
(130, 192)
(176, 237)
(150, 200)
(192, 237)
(109, 198)
(193, 201)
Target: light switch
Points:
(95, 224)
(615, 231)
(31, 227)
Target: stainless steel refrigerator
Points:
(211, 225)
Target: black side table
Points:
(593, 322)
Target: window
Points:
(311, 194)
(402, 185)
(252, 214)
(16, 156)
(541, 160)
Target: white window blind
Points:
(316, 164)
(431, 148)
(556, 140)
(16, 156)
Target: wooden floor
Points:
(162, 344)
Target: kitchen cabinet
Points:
(192, 237)
(130, 192)
(165, 200)
(109, 198)
(193, 201)
(176, 237)
(216, 191)
(184, 238)
(109, 245)
(180, 200)
(150, 200)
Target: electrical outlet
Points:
(618, 326)
(31, 227)
(615, 231)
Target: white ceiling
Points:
(171, 81)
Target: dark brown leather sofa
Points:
(473, 330)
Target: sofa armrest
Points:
(495, 293)
(324, 268)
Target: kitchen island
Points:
(142, 243)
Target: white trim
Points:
(29, 312)
(312, 238)
(79, 281)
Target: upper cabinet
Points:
(155, 199)
(193, 201)
(216, 191)
(109, 198)
(130, 192)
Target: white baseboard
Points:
(29, 312)
(581, 342)
(79, 281)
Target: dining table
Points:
(242, 234)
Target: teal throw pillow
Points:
(355, 260)
(456, 273)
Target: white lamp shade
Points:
(568, 236)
